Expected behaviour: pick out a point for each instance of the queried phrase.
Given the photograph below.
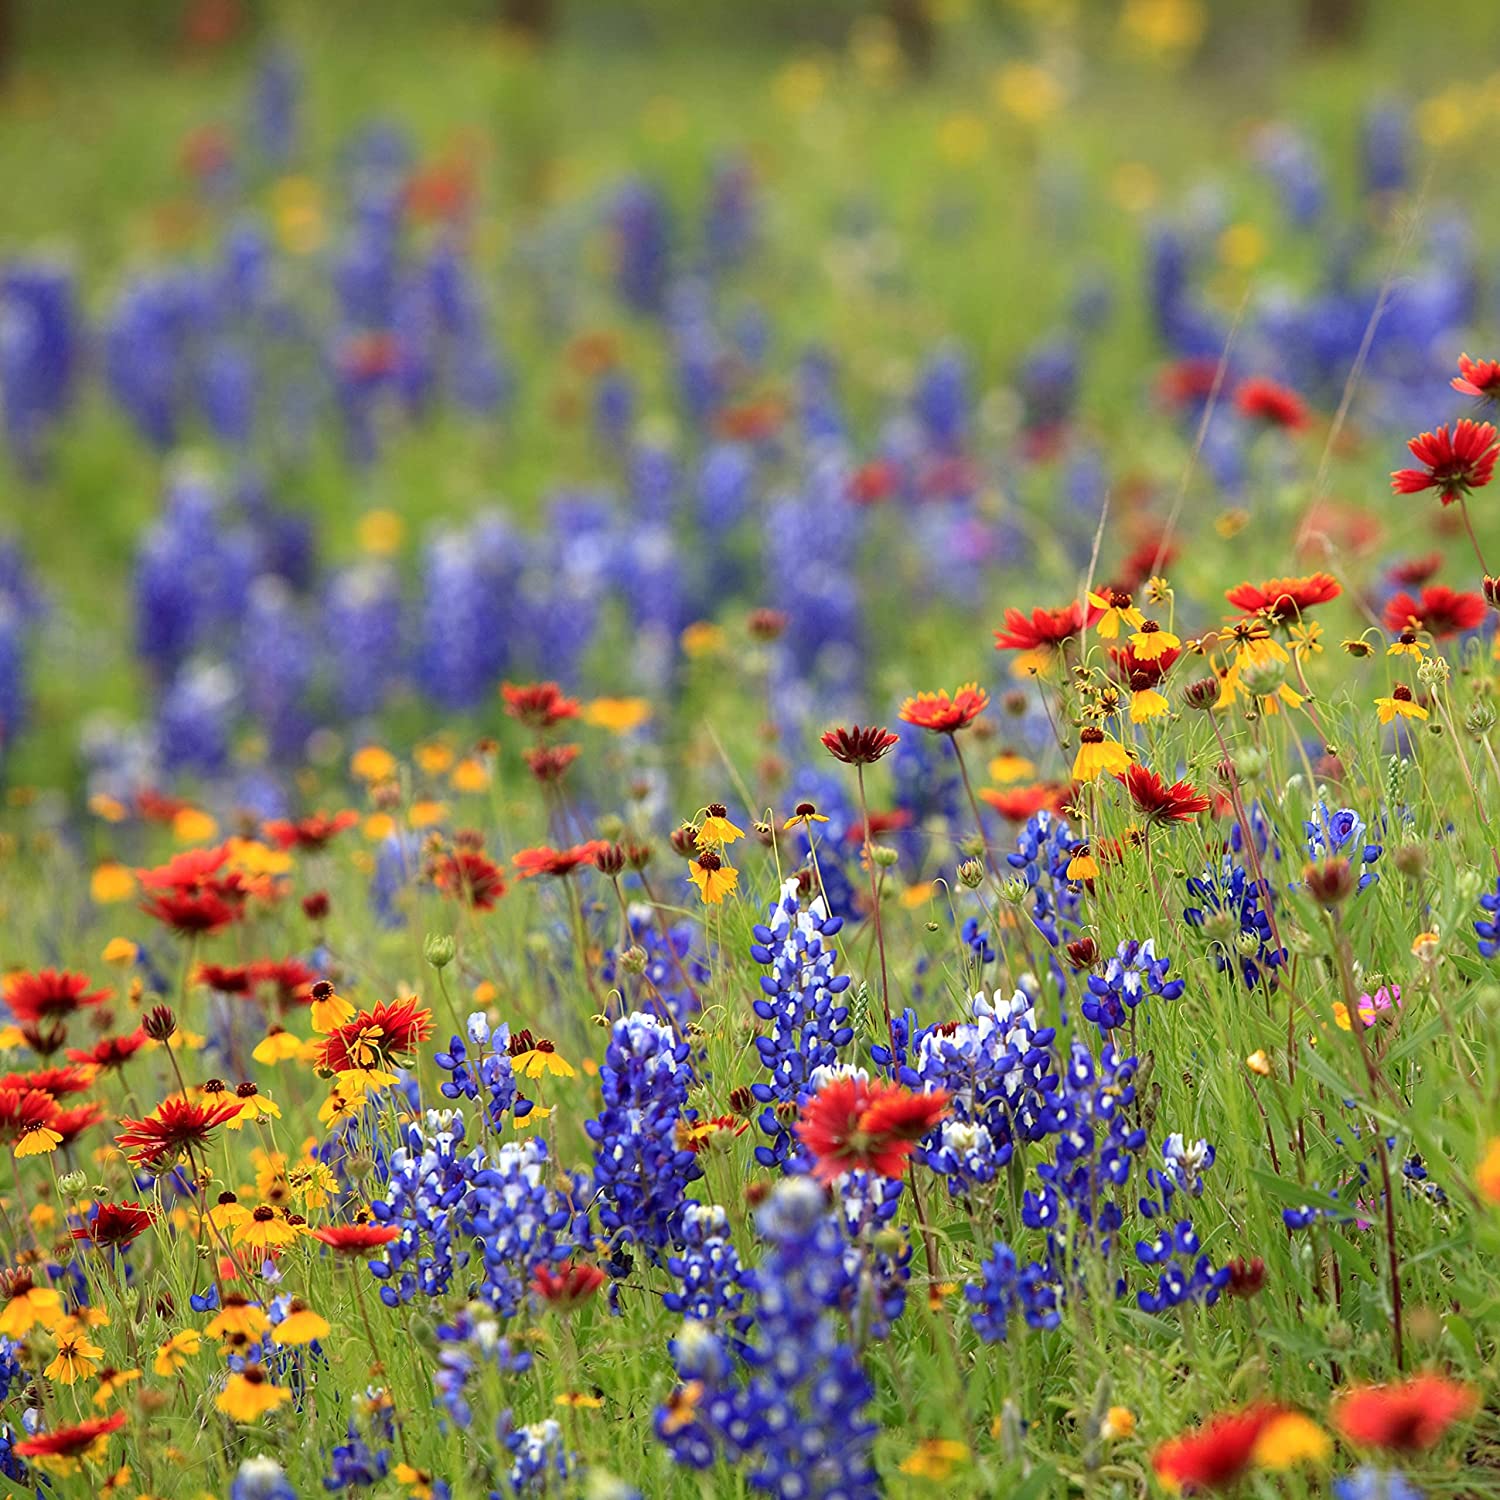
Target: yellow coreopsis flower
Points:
(278, 1045)
(935, 1458)
(539, 1061)
(175, 1353)
(470, 775)
(713, 878)
(717, 830)
(193, 826)
(249, 1395)
(1098, 755)
(238, 1315)
(111, 882)
(76, 1357)
(1147, 703)
(300, 1326)
(1399, 705)
(617, 715)
(433, 757)
(1291, 1439)
(1151, 642)
(1008, 766)
(1407, 644)
(111, 1383)
(1119, 613)
(373, 763)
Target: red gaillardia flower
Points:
(567, 1286)
(1416, 570)
(72, 1122)
(309, 833)
(1266, 401)
(1441, 611)
(859, 746)
(854, 1123)
(538, 705)
(48, 993)
(193, 913)
(377, 1039)
(549, 763)
(944, 715)
(1452, 463)
(289, 980)
(110, 1051)
(1044, 629)
(175, 1126)
(1284, 598)
(228, 979)
(471, 877)
(115, 1225)
(61, 1449)
(58, 1082)
(192, 894)
(558, 863)
(1159, 803)
(26, 1117)
(1215, 1455)
(1404, 1418)
(1477, 377)
(356, 1239)
(1022, 802)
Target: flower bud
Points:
(971, 874)
(315, 906)
(884, 856)
(1083, 954)
(1410, 860)
(1246, 1277)
(73, 1184)
(1014, 888)
(634, 959)
(685, 840)
(638, 856)
(1263, 678)
(1249, 762)
(610, 861)
(1331, 882)
(439, 950)
(1201, 693)
(159, 1023)
(1480, 718)
(1491, 590)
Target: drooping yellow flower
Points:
(340, 1105)
(1083, 865)
(264, 1230)
(716, 829)
(109, 808)
(713, 878)
(1399, 705)
(378, 827)
(37, 1139)
(935, 1458)
(1291, 1439)
(1151, 642)
(617, 715)
(175, 1353)
(120, 953)
(329, 1010)
(1119, 612)
(1407, 644)
(579, 1400)
(110, 883)
(373, 763)
(538, 1062)
(254, 1105)
(1147, 703)
(278, 1045)
(111, 1383)
(300, 1326)
(1098, 755)
(238, 1315)
(1008, 766)
(249, 1395)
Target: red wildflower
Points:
(24, 1110)
(550, 763)
(66, 1445)
(471, 877)
(176, 1125)
(368, 356)
(1188, 381)
(374, 1039)
(752, 421)
(228, 979)
(356, 1239)
(1018, 803)
(289, 980)
(558, 863)
(1215, 1455)
(115, 1224)
(190, 870)
(1159, 803)
(1140, 675)
(58, 1082)
(1148, 557)
(49, 992)
(158, 807)
(1404, 1418)
(859, 746)
(110, 1051)
(880, 822)
(1441, 611)
(1265, 401)
(1416, 570)
(1046, 629)
(944, 715)
(71, 1123)
(1452, 463)
(1284, 598)
(872, 483)
(313, 832)
(538, 705)
(1477, 377)
(568, 1285)
(196, 915)
(853, 1123)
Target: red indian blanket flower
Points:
(549, 763)
(1045, 629)
(310, 833)
(1159, 803)
(1215, 1455)
(558, 863)
(1022, 802)
(115, 1224)
(176, 1125)
(58, 1082)
(854, 1123)
(1452, 463)
(228, 979)
(24, 1110)
(110, 1051)
(880, 822)
(71, 1123)
(64, 1446)
(1284, 598)
(944, 715)
(538, 705)
(568, 1285)
(289, 981)
(1404, 1418)
(198, 915)
(1266, 401)
(1440, 611)
(376, 1038)
(1416, 570)
(859, 746)
(356, 1239)
(1140, 675)
(1477, 377)
(38, 997)
(471, 877)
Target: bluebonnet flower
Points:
(469, 1344)
(1232, 909)
(1369, 1483)
(1339, 832)
(276, 667)
(194, 720)
(800, 1000)
(673, 971)
(13, 688)
(640, 1173)
(261, 1478)
(710, 1277)
(355, 1464)
(1487, 929)
(1385, 151)
(39, 355)
(1288, 159)
(794, 1410)
(643, 246)
(492, 1217)
(731, 217)
(1007, 1288)
(1132, 972)
(362, 629)
(540, 1460)
(278, 88)
(490, 1071)
(1186, 1275)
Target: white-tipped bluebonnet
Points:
(1132, 973)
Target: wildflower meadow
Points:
(749, 750)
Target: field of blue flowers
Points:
(750, 755)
